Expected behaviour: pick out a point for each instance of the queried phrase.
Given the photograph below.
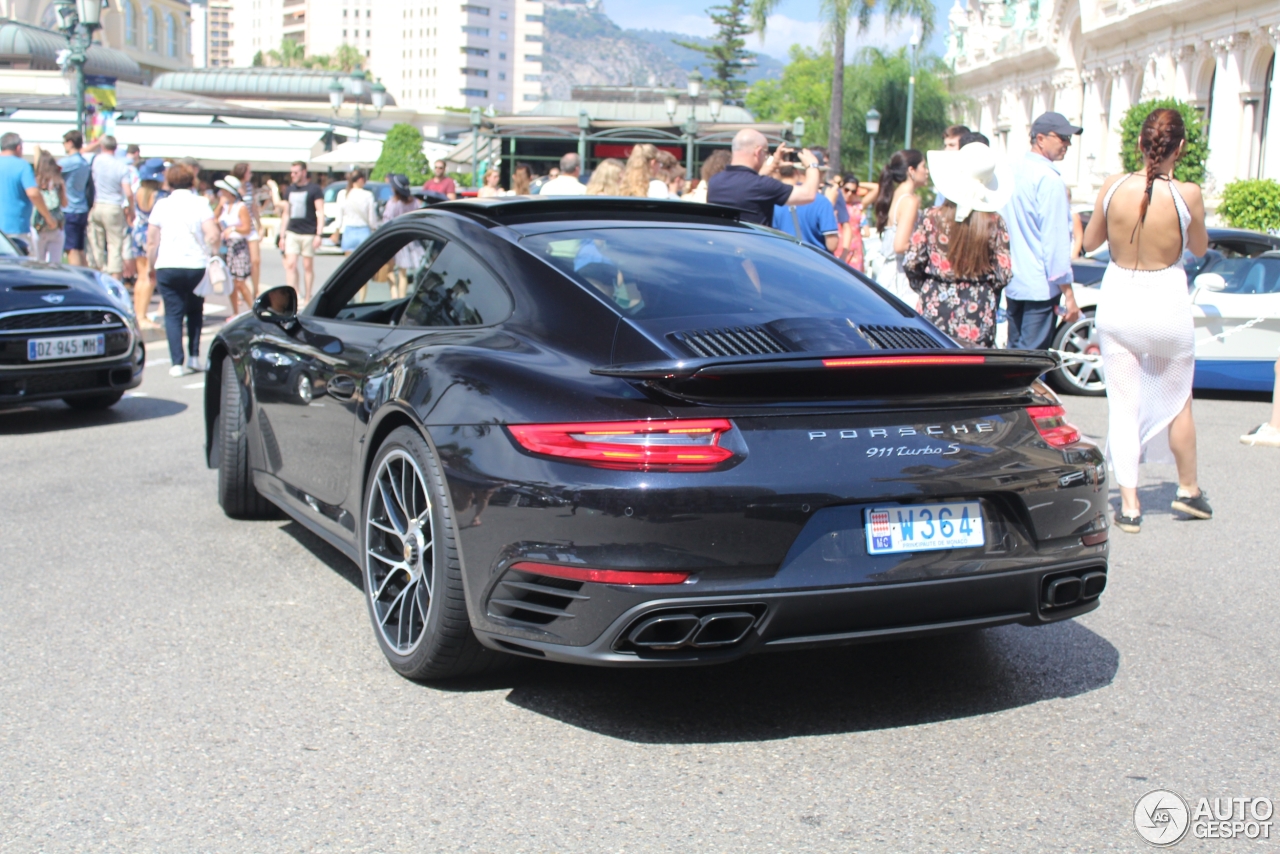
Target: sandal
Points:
(1129, 524)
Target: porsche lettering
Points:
(887, 432)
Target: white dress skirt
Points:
(1147, 338)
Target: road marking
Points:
(151, 362)
(195, 385)
(136, 394)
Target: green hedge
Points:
(1252, 204)
(1191, 166)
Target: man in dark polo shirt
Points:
(746, 184)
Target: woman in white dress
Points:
(897, 212)
(1144, 317)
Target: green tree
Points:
(347, 58)
(1191, 166)
(290, 55)
(727, 54)
(836, 16)
(1252, 204)
(402, 152)
(876, 79)
(258, 60)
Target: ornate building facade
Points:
(154, 33)
(1092, 59)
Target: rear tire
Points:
(94, 402)
(411, 566)
(1079, 378)
(238, 496)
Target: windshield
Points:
(1249, 275)
(683, 272)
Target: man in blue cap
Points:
(1039, 220)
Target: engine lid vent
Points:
(730, 341)
(899, 338)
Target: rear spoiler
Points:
(858, 376)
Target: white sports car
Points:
(1236, 298)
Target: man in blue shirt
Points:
(1039, 220)
(18, 191)
(75, 173)
(817, 220)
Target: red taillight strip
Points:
(700, 449)
(1054, 428)
(901, 361)
(601, 576)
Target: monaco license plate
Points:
(924, 527)
(73, 347)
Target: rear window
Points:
(684, 272)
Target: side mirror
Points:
(1210, 282)
(21, 245)
(278, 306)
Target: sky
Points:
(795, 22)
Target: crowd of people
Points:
(995, 231)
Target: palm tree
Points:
(290, 55)
(836, 16)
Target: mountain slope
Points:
(584, 47)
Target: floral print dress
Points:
(964, 309)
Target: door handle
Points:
(342, 387)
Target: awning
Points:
(218, 142)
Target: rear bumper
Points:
(831, 617)
(68, 379)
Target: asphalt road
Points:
(174, 680)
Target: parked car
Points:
(65, 333)
(1228, 249)
(559, 443)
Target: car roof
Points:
(510, 211)
(1218, 233)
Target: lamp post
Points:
(670, 101)
(336, 94)
(797, 130)
(873, 128)
(475, 146)
(715, 102)
(690, 128)
(911, 83)
(78, 19)
(584, 125)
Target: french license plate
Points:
(924, 527)
(74, 347)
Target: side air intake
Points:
(898, 338)
(730, 341)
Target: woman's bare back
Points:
(1156, 243)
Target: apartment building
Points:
(430, 54)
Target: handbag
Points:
(217, 274)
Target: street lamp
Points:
(378, 93)
(797, 130)
(670, 100)
(78, 19)
(695, 84)
(715, 101)
(584, 125)
(873, 128)
(911, 82)
(336, 94)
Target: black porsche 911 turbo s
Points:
(638, 432)
(65, 333)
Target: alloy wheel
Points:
(1082, 337)
(399, 549)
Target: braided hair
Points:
(1162, 133)
(893, 174)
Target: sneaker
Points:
(196, 363)
(179, 371)
(1264, 434)
(1129, 524)
(1197, 506)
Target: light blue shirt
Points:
(1039, 219)
(16, 177)
(75, 172)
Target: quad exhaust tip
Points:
(1072, 588)
(670, 631)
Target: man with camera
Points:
(747, 183)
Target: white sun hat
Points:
(973, 177)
